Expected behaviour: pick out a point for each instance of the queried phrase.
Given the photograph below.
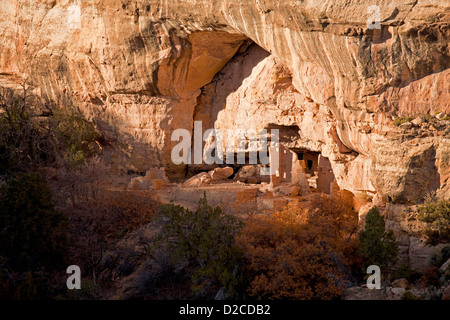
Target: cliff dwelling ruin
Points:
(253, 91)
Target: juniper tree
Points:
(201, 243)
(378, 246)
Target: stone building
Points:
(307, 169)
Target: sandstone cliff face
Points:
(142, 69)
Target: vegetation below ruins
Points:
(378, 246)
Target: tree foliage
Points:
(32, 239)
(24, 144)
(32, 233)
(437, 214)
(201, 244)
(299, 253)
(378, 246)
(36, 134)
(76, 136)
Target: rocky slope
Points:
(142, 69)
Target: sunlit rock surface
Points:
(141, 69)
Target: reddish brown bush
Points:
(300, 253)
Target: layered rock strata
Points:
(142, 69)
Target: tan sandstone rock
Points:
(141, 71)
(288, 190)
(445, 266)
(198, 180)
(401, 283)
(219, 174)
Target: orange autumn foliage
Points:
(300, 253)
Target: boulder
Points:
(157, 184)
(246, 172)
(154, 179)
(145, 183)
(140, 183)
(406, 125)
(417, 121)
(288, 190)
(401, 283)
(445, 266)
(266, 187)
(219, 174)
(251, 174)
(198, 180)
(398, 292)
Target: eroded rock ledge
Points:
(142, 69)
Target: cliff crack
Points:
(407, 14)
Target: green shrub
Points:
(76, 135)
(24, 145)
(408, 295)
(35, 135)
(405, 271)
(201, 244)
(439, 258)
(399, 121)
(88, 291)
(431, 276)
(32, 233)
(378, 246)
(437, 214)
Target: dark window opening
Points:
(309, 160)
(310, 165)
(139, 173)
